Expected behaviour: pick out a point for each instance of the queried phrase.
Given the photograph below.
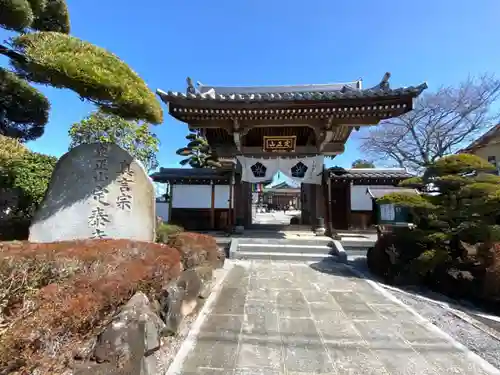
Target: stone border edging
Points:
(339, 251)
(473, 357)
(233, 248)
(189, 342)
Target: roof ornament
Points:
(338, 171)
(190, 87)
(384, 84)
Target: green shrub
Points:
(165, 231)
(57, 295)
(29, 174)
(15, 229)
(457, 226)
(428, 261)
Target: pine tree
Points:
(43, 52)
(198, 153)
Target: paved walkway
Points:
(279, 318)
(277, 217)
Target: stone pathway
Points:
(280, 318)
(277, 217)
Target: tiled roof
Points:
(379, 192)
(483, 140)
(168, 174)
(283, 187)
(350, 90)
(337, 173)
(294, 96)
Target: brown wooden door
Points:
(340, 206)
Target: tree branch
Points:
(440, 123)
(6, 51)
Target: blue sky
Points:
(277, 42)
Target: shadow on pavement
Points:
(331, 267)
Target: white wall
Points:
(360, 201)
(162, 210)
(191, 196)
(222, 196)
(200, 196)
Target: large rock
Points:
(96, 191)
(128, 342)
(180, 299)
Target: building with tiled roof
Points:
(487, 146)
(351, 193)
(290, 122)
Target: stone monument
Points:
(96, 191)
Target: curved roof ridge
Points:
(321, 87)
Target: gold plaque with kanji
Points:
(279, 143)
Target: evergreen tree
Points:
(361, 163)
(198, 153)
(133, 136)
(43, 52)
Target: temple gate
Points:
(288, 128)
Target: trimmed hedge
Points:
(55, 296)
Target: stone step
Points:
(353, 244)
(283, 248)
(302, 257)
(309, 241)
(356, 252)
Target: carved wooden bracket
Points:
(236, 134)
(326, 134)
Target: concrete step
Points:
(284, 248)
(301, 257)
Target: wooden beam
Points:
(171, 202)
(236, 133)
(348, 200)
(212, 206)
(330, 213)
(230, 214)
(179, 104)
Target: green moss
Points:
(406, 200)
(97, 75)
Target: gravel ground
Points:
(479, 336)
(474, 338)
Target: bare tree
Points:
(439, 125)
